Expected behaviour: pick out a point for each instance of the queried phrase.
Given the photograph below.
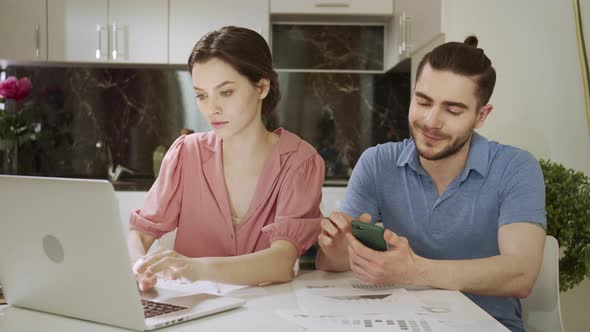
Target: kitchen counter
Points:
(136, 184)
(144, 184)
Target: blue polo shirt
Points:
(499, 185)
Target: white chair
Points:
(541, 310)
(167, 241)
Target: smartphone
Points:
(369, 235)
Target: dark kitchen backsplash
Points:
(334, 95)
(89, 111)
(322, 47)
(341, 114)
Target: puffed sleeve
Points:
(298, 212)
(161, 208)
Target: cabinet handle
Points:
(408, 34)
(332, 5)
(115, 46)
(37, 40)
(402, 34)
(98, 54)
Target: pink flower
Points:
(13, 88)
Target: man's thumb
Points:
(365, 217)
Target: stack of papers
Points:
(356, 322)
(349, 304)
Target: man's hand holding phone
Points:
(333, 241)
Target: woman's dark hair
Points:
(246, 51)
(464, 59)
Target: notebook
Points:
(68, 256)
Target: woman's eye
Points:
(423, 103)
(226, 93)
(200, 97)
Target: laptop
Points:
(64, 252)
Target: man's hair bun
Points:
(471, 41)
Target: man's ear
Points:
(263, 88)
(482, 115)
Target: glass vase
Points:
(9, 154)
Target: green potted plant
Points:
(568, 219)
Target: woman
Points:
(244, 200)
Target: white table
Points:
(256, 315)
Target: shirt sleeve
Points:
(161, 208)
(360, 196)
(298, 214)
(523, 196)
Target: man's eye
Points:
(200, 97)
(226, 93)
(453, 112)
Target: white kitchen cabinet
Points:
(139, 30)
(191, 19)
(418, 55)
(122, 31)
(415, 25)
(332, 7)
(24, 30)
(77, 30)
(129, 201)
(332, 198)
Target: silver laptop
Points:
(65, 253)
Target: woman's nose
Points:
(212, 106)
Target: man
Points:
(460, 212)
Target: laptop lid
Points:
(62, 250)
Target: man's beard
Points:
(450, 149)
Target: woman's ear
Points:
(263, 88)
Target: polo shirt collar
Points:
(478, 159)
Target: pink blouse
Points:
(190, 194)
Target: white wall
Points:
(539, 101)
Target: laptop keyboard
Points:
(153, 309)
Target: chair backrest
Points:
(541, 310)
(167, 240)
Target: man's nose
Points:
(433, 117)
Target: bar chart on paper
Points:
(347, 322)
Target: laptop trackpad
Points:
(160, 294)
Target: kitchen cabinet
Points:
(24, 30)
(332, 7)
(191, 19)
(418, 55)
(414, 25)
(332, 198)
(120, 31)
